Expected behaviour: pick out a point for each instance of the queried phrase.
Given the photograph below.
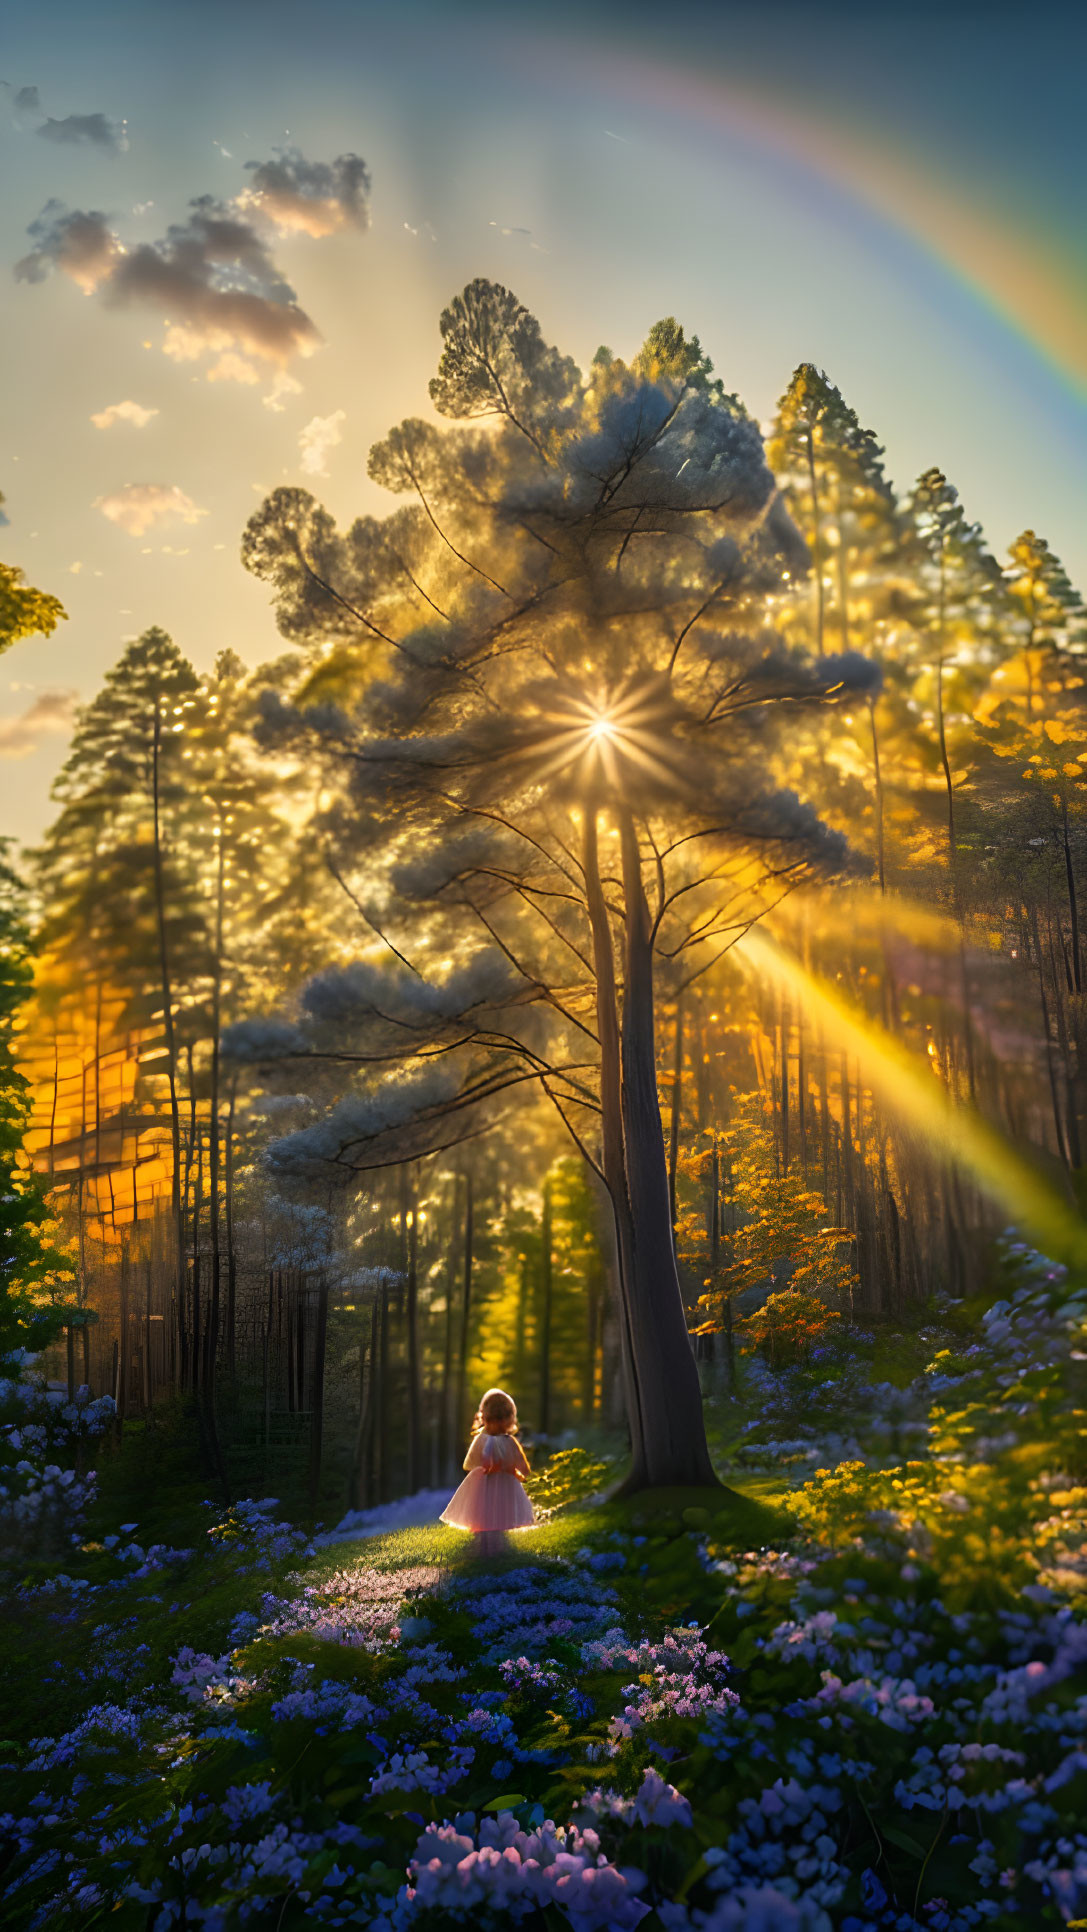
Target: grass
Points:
(153, 1477)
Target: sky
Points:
(893, 192)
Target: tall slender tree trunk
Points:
(197, 1292)
(448, 1379)
(716, 1231)
(878, 775)
(952, 834)
(213, 1116)
(1064, 1043)
(847, 1144)
(524, 1296)
(824, 1117)
(126, 1342)
(266, 1364)
(381, 1406)
(168, 1022)
(415, 1392)
(816, 544)
(466, 1299)
(359, 1492)
(783, 1037)
(231, 1252)
(55, 1098)
(546, 1297)
(801, 1092)
(147, 1338)
(941, 725)
(317, 1416)
(843, 570)
(1073, 912)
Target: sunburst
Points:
(603, 740)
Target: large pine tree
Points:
(558, 800)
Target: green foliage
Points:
(98, 868)
(569, 1476)
(495, 362)
(24, 611)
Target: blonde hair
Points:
(497, 1414)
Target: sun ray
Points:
(953, 1130)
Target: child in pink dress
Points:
(491, 1499)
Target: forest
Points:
(626, 948)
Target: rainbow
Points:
(1030, 281)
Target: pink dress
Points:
(491, 1497)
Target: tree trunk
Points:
(359, 1488)
(147, 1338)
(878, 775)
(231, 1255)
(466, 1301)
(614, 1161)
(676, 1108)
(381, 1407)
(1064, 1043)
(843, 572)
(1073, 912)
(266, 1366)
(316, 1438)
(941, 732)
(213, 1120)
(415, 1393)
(126, 1341)
(816, 544)
(524, 1295)
(675, 1446)
(168, 1027)
(546, 1287)
(448, 1383)
(783, 1036)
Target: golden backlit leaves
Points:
(98, 1129)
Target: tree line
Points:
(455, 888)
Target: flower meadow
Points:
(866, 1710)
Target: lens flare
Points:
(954, 1131)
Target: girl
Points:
(491, 1499)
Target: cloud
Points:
(215, 274)
(232, 367)
(124, 412)
(27, 101)
(316, 197)
(317, 439)
(80, 243)
(86, 130)
(283, 386)
(139, 506)
(51, 711)
(212, 278)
